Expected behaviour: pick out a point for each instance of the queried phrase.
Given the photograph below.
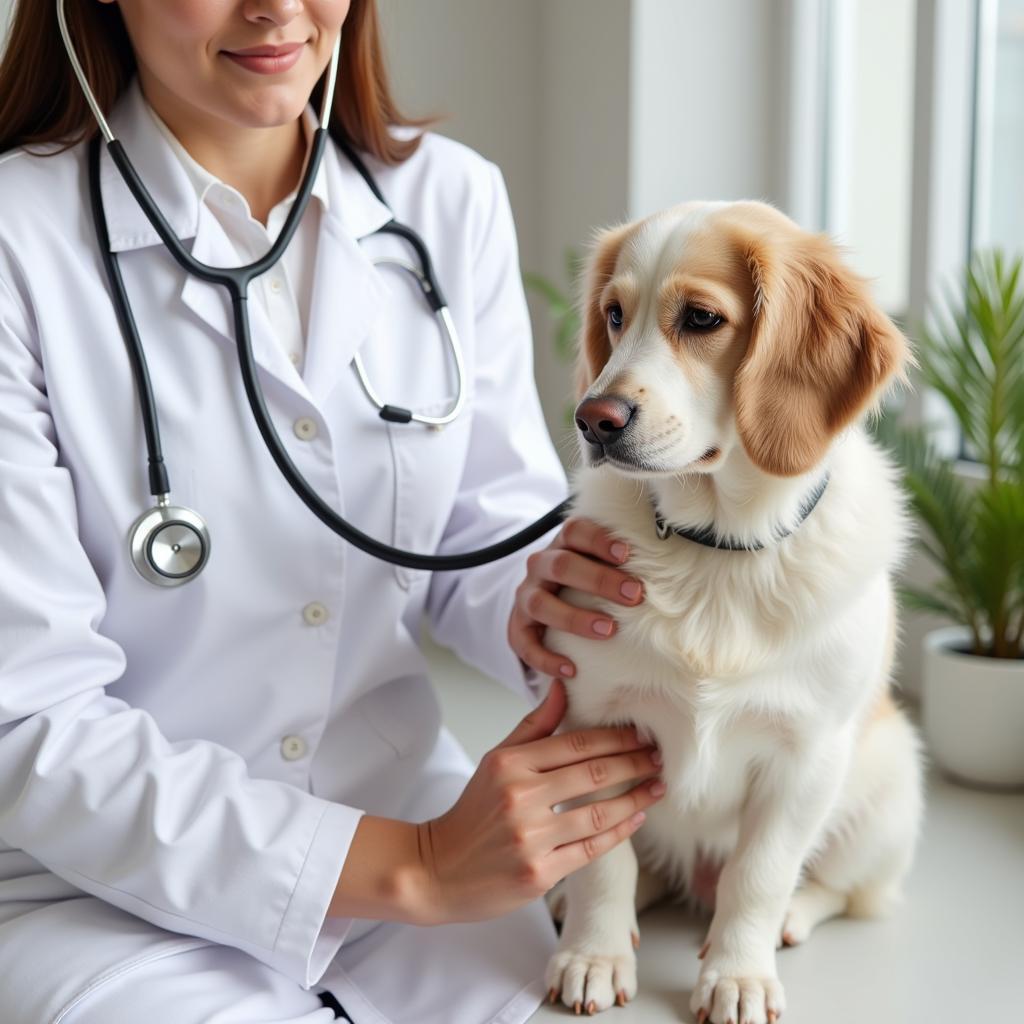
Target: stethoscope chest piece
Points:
(170, 545)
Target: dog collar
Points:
(707, 536)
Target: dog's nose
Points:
(602, 420)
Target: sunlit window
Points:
(999, 134)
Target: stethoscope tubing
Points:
(236, 281)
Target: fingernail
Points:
(656, 756)
(630, 590)
(637, 819)
(619, 551)
(603, 626)
(567, 670)
(658, 788)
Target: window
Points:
(998, 210)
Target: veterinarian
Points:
(225, 792)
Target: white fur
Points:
(758, 674)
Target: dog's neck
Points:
(739, 501)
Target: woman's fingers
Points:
(586, 536)
(572, 856)
(539, 605)
(569, 568)
(525, 641)
(581, 822)
(570, 748)
(542, 720)
(599, 773)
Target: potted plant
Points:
(973, 528)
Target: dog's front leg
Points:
(783, 813)
(594, 965)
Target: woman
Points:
(221, 799)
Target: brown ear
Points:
(594, 349)
(820, 352)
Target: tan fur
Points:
(595, 348)
(819, 349)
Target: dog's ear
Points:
(820, 351)
(594, 348)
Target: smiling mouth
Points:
(267, 60)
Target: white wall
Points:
(475, 62)
(707, 102)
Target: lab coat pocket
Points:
(428, 464)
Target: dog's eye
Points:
(697, 319)
(615, 316)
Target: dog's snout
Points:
(602, 420)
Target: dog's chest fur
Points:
(734, 656)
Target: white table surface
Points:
(954, 952)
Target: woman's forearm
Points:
(384, 877)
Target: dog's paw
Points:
(591, 982)
(721, 998)
(796, 928)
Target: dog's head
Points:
(713, 325)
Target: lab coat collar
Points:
(348, 199)
(161, 172)
(203, 180)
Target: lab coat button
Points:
(293, 747)
(315, 614)
(275, 285)
(294, 357)
(305, 429)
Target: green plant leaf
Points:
(565, 338)
(972, 354)
(945, 508)
(548, 289)
(927, 601)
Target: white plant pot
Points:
(973, 711)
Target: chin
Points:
(272, 108)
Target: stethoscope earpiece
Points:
(170, 545)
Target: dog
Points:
(727, 363)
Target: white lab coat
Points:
(186, 767)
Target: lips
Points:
(267, 60)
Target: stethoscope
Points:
(170, 544)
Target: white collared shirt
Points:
(286, 289)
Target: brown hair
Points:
(41, 102)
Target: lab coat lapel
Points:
(211, 303)
(347, 300)
(348, 292)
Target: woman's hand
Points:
(582, 555)
(502, 845)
